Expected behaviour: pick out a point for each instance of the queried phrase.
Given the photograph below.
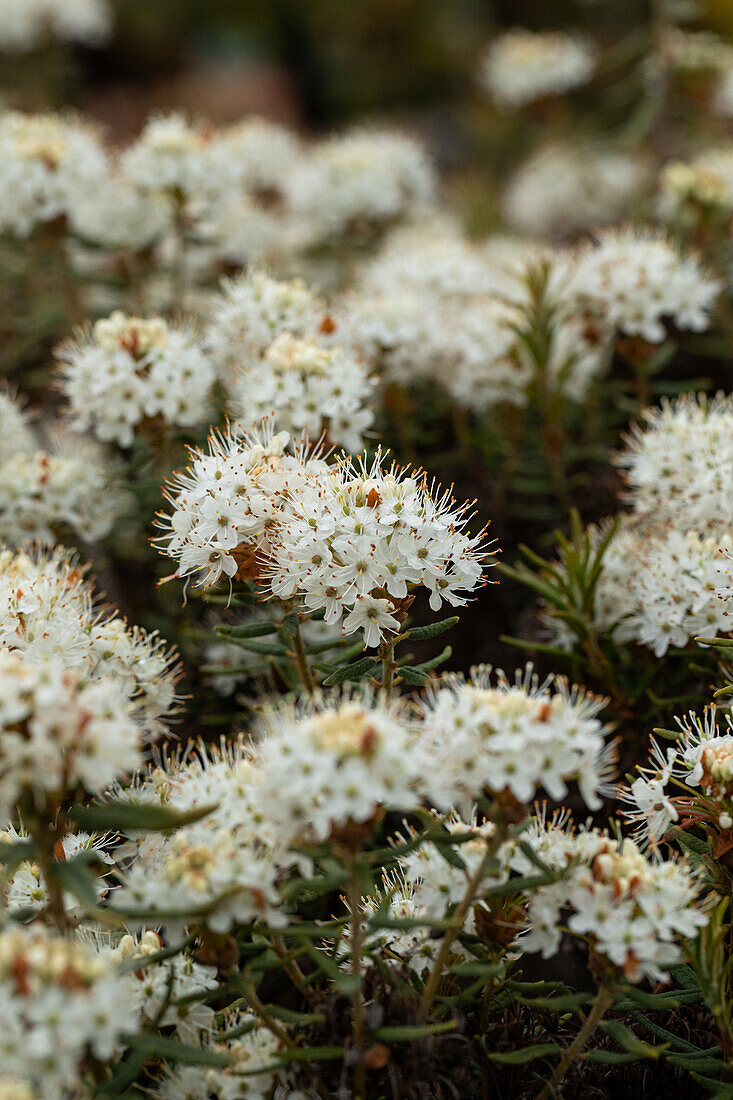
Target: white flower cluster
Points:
(434, 307)
(477, 356)
(723, 98)
(431, 260)
(425, 887)
(658, 587)
(165, 990)
(23, 890)
(46, 492)
(130, 370)
(251, 311)
(172, 155)
(255, 1048)
(115, 217)
(564, 189)
(691, 191)
(690, 779)
(696, 51)
(492, 735)
(60, 731)
(679, 466)
(47, 163)
(345, 538)
(16, 434)
(257, 155)
(60, 1002)
(216, 876)
(309, 390)
(637, 281)
(520, 66)
(633, 912)
(220, 870)
(227, 505)
(27, 24)
(357, 182)
(333, 763)
(421, 309)
(47, 612)
(359, 539)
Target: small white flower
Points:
(521, 66)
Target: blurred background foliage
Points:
(320, 62)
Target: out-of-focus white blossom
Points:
(427, 261)
(131, 369)
(357, 182)
(691, 191)
(521, 66)
(47, 611)
(252, 311)
(60, 731)
(118, 216)
(258, 156)
(679, 463)
(60, 1002)
(45, 493)
(658, 587)
(333, 762)
(637, 281)
(28, 24)
(564, 189)
(172, 155)
(307, 389)
(16, 433)
(47, 164)
(257, 1048)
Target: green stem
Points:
(301, 661)
(603, 1001)
(357, 996)
(387, 650)
(458, 919)
(46, 839)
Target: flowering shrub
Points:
(267, 393)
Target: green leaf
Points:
(347, 983)
(75, 876)
(418, 674)
(609, 1057)
(409, 1033)
(159, 1047)
(252, 645)
(290, 626)
(526, 1054)
(422, 633)
(691, 843)
(311, 1054)
(354, 671)
(15, 852)
(667, 1036)
(668, 735)
(630, 1042)
(563, 1002)
(129, 816)
(476, 969)
(246, 630)
(412, 675)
